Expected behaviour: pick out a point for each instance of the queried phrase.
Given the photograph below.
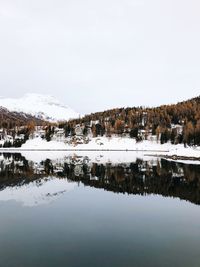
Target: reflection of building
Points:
(78, 170)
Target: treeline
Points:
(179, 123)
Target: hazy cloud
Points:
(99, 54)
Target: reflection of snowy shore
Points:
(38, 192)
(103, 149)
(38, 179)
(86, 156)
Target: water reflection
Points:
(38, 183)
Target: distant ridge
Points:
(9, 119)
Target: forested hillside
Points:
(15, 127)
(9, 120)
(178, 123)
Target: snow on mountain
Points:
(41, 106)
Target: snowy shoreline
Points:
(114, 144)
(71, 150)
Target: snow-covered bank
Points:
(181, 154)
(103, 144)
(99, 143)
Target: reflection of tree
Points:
(15, 170)
(141, 177)
(48, 167)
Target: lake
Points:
(85, 211)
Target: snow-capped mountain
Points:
(44, 107)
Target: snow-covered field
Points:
(112, 146)
(99, 143)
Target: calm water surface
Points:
(76, 213)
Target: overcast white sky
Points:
(95, 55)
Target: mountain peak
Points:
(41, 97)
(45, 107)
